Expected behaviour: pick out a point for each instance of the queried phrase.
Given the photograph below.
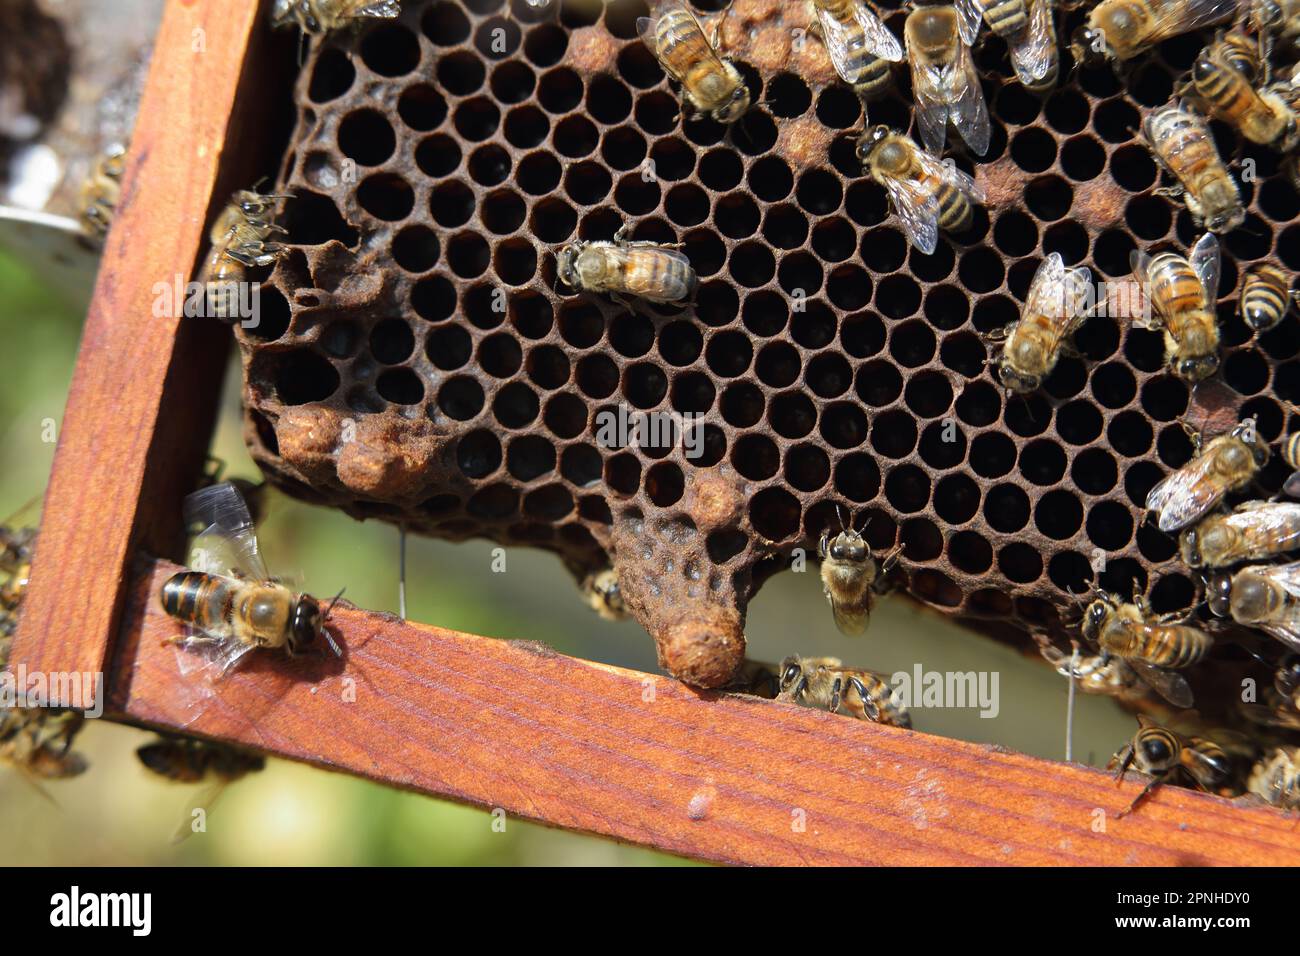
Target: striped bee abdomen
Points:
(1006, 18)
(1265, 297)
(197, 598)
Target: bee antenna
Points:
(334, 600)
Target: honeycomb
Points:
(417, 361)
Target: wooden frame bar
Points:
(505, 724)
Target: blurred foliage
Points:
(289, 814)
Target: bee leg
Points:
(891, 559)
(837, 689)
(997, 335)
(823, 545)
(1193, 434)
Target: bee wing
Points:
(1205, 262)
(969, 16)
(1183, 16)
(1184, 496)
(949, 172)
(1047, 290)
(1276, 521)
(1267, 716)
(968, 112)
(229, 541)
(918, 210)
(1140, 262)
(931, 104)
(1032, 56)
(1287, 627)
(207, 797)
(1171, 686)
(878, 39)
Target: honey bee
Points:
(1007, 18)
(1266, 296)
(1094, 673)
(1057, 304)
(1262, 596)
(944, 82)
(1275, 777)
(927, 195)
(644, 269)
(826, 684)
(710, 83)
(1122, 29)
(317, 17)
(602, 592)
(189, 761)
(1227, 463)
(1165, 756)
(1222, 85)
(1034, 56)
(1291, 455)
(1182, 145)
(860, 46)
(102, 190)
(1254, 531)
(229, 603)
(851, 579)
(1182, 294)
(37, 742)
(241, 240)
(1153, 647)
(1272, 20)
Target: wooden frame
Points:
(494, 723)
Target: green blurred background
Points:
(117, 813)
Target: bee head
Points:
(1218, 594)
(734, 108)
(791, 677)
(566, 264)
(1157, 750)
(1094, 616)
(1198, 368)
(156, 756)
(306, 625)
(1190, 546)
(1019, 382)
(1089, 46)
(870, 140)
(848, 546)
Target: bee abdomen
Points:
(1007, 18)
(955, 213)
(196, 598)
(873, 79)
(1264, 299)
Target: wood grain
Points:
(144, 392)
(647, 760)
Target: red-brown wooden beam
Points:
(644, 759)
(144, 392)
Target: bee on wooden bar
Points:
(825, 683)
(317, 17)
(757, 679)
(1290, 449)
(190, 761)
(101, 191)
(646, 270)
(229, 602)
(241, 240)
(1154, 647)
(1166, 756)
(1057, 304)
(1265, 596)
(1275, 778)
(1182, 145)
(602, 593)
(710, 83)
(1034, 56)
(945, 86)
(1266, 296)
(860, 46)
(1223, 85)
(1122, 29)
(1254, 531)
(1225, 464)
(927, 195)
(1094, 673)
(851, 579)
(1182, 294)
